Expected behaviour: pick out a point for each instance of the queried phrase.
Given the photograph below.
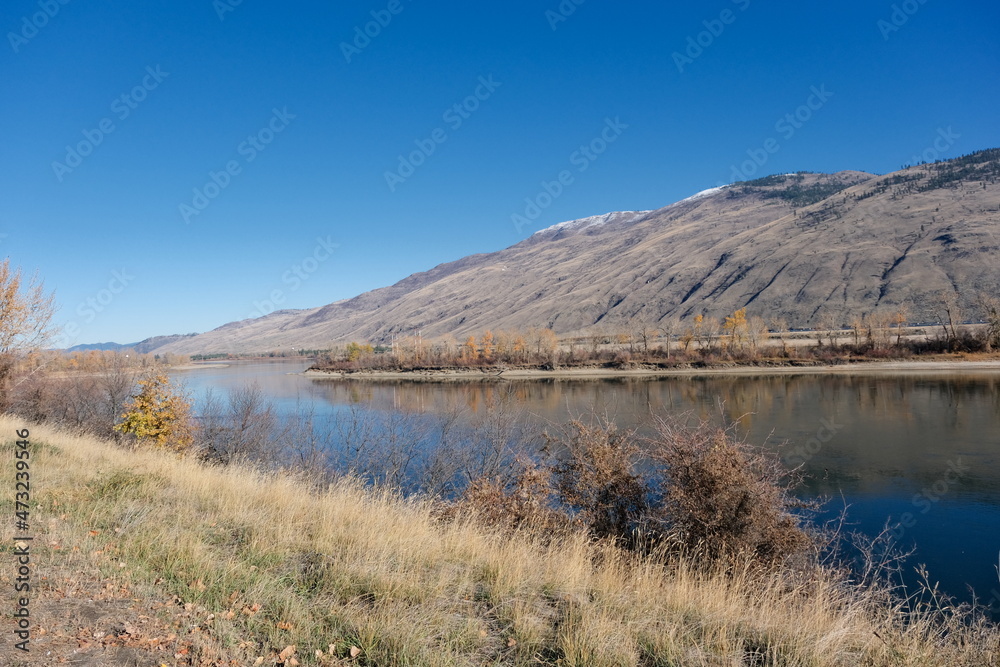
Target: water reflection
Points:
(918, 453)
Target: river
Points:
(918, 453)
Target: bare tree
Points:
(827, 324)
(116, 379)
(780, 326)
(646, 333)
(952, 314)
(899, 318)
(877, 324)
(857, 326)
(245, 428)
(667, 327)
(756, 333)
(709, 334)
(990, 308)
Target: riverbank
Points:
(941, 365)
(141, 557)
(195, 365)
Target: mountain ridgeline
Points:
(808, 248)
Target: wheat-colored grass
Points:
(351, 567)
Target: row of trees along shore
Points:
(739, 337)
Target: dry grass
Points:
(280, 565)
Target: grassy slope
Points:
(256, 563)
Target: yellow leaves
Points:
(355, 351)
(486, 345)
(469, 348)
(25, 311)
(251, 610)
(737, 327)
(736, 322)
(158, 414)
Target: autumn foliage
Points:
(158, 415)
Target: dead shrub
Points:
(691, 489)
(725, 498)
(599, 483)
(525, 501)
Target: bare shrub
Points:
(244, 428)
(90, 399)
(527, 501)
(693, 489)
(380, 447)
(724, 498)
(599, 483)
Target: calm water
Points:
(919, 453)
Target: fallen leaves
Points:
(287, 656)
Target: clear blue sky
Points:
(196, 86)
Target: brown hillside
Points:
(802, 247)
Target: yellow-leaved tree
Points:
(736, 324)
(158, 414)
(25, 321)
(25, 311)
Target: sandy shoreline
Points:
(875, 367)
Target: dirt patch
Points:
(80, 616)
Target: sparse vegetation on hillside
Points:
(792, 191)
(980, 166)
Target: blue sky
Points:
(173, 165)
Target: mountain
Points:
(142, 347)
(805, 247)
(87, 347)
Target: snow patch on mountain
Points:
(594, 220)
(704, 193)
(619, 216)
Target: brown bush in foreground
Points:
(524, 503)
(696, 490)
(599, 482)
(723, 497)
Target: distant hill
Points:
(142, 347)
(805, 247)
(87, 347)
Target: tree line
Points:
(740, 336)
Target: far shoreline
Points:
(495, 374)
